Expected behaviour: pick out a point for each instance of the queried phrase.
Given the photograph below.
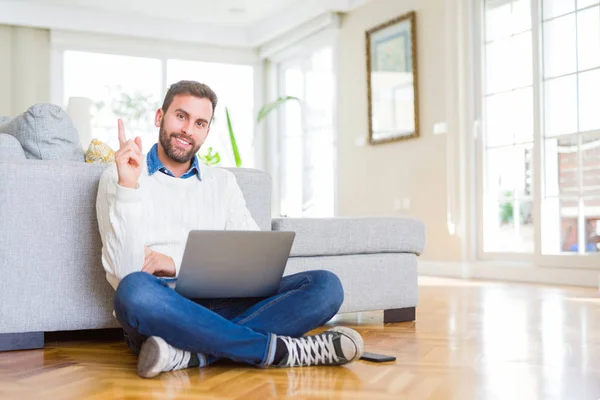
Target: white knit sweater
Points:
(161, 212)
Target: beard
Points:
(176, 153)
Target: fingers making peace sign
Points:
(128, 159)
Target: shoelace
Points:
(178, 359)
(310, 350)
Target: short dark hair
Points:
(192, 88)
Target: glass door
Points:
(540, 147)
(307, 141)
(570, 132)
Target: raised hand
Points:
(128, 159)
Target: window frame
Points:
(296, 54)
(584, 261)
(62, 41)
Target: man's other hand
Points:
(158, 264)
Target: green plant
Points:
(267, 108)
(506, 209)
(209, 158)
(506, 213)
(234, 147)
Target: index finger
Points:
(122, 138)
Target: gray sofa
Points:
(50, 247)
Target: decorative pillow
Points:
(10, 148)
(45, 132)
(99, 152)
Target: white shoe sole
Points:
(153, 358)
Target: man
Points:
(147, 205)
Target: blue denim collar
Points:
(154, 164)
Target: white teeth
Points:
(182, 141)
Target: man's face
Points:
(184, 126)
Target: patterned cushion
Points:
(99, 152)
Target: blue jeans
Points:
(239, 329)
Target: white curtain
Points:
(24, 68)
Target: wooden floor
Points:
(471, 340)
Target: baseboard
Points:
(509, 271)
(96, 335)
(21, 341)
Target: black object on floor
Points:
(374, 357)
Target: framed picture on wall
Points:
(392, 89)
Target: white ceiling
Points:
(234, 23)
(241, 13)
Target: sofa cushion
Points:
(4, 119)
(10, 148)
(371, 281)
(342, 236)
(256, 188)
(46, 132)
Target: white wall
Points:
(372, 178)
(24, 68)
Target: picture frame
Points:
(392, 80)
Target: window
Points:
(551, 111)
(571, 126)
(99, 88)
(508, 123)
(307, 144)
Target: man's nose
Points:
(188, 128)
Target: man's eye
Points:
(201, 124)
(180, 116)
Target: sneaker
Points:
(158, 356)
(336, 346)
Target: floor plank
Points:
(471, 340)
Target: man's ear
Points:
(158, 117)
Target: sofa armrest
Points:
(366, 235)
(50, 248)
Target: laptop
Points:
(228, 264)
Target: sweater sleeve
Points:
(177, 256)
(119, 213)
(238, 215)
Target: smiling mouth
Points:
(182, 142)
